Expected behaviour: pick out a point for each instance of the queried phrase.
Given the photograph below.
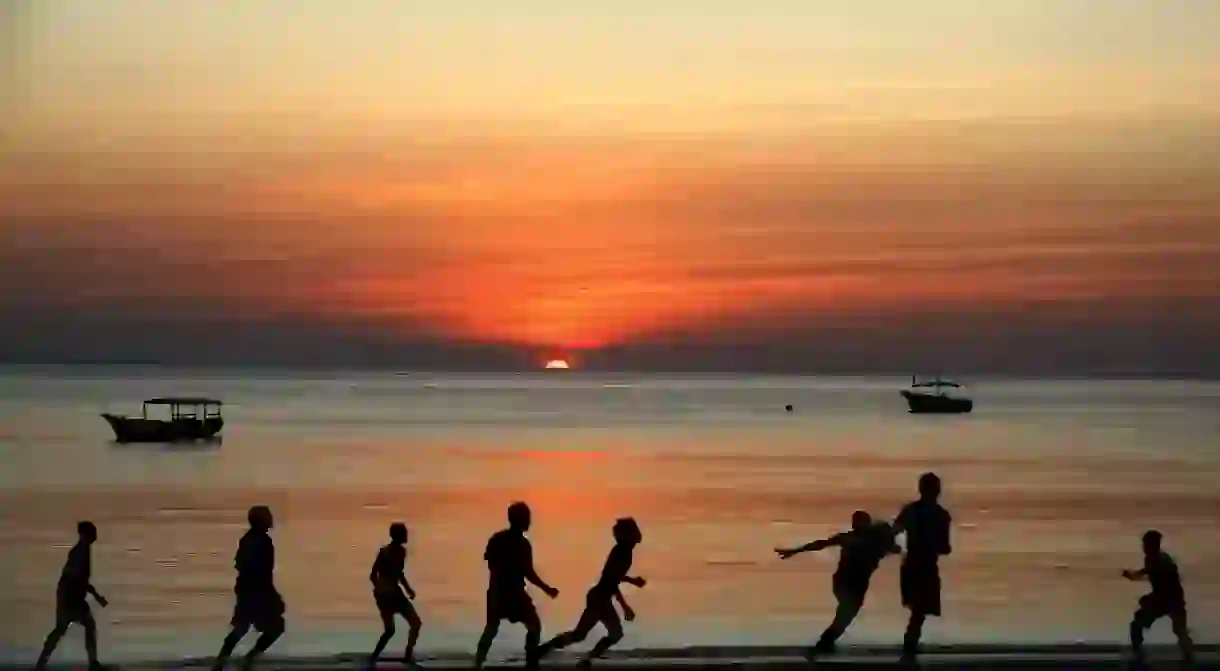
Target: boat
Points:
(190, 419)
(929, 397)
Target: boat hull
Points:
(182, 430)
(937, 404)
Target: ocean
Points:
(1050, 484)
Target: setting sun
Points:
(557, 364)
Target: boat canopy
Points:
(183, 400)
(937, 383)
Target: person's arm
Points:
(635, 580)
(815, 546)
(402, 579)
(375, 569)
(900, 522)
(532, 575)
(891, 537)
(101, 600)
(1141, 574)
(628, 613)
(945, 546)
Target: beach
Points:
(1050, 484)
(1071, 657)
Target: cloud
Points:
(416, 247)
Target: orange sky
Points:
(641, 199)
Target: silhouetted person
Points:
(510, 562)
(599, 602)
(1167, 599)
(860, 553)
(926, 524)
(71, 604)
(258, 603)
(389, 580)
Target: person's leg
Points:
(614, 634)
(848, 609)
(387, 632)
(533, 634)
(1141, 621)
(588, 619)
(910, 641)
(239, 631)
(271, 632)
(414, 624)
(90, 626)
(490, 628)
(1182, 631)
(921, 594)
(53, 639)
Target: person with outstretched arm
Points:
(389, 579)
(1167, 599)
(599, 602)
(71, 602)
(860, 553)
(926, 524)
(510, 563)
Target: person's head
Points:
(1152, 542)
(398, 533)
(627, 532)
(260, 518)
(929, 486)
(861, 520)
(519, 516)
(87, 531)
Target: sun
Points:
(557, 364)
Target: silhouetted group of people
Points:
(926, 525)
(509, 556)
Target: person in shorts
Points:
(389, 582)
(1167, 599)
(860, 553)
(510, 563)
(71, 604)
(599, 602)
(926, 524)
(258, 604)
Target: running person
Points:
(510, 563)
(860, 553)
(926, 524)
(71, 604)
(599, 602)
(389, 580)
(258, 603)
(1167, 599)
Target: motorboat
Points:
(190, 419)
(932, 397)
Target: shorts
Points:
(263, 611)
(1154, 606)
(70, 609)
(599, 607)
(392, 602)
(920, 586)
(848, 589)
(516, 606)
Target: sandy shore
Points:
(1071, 657)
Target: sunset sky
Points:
(1029, 185)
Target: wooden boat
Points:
(929, 397)
(190, 419)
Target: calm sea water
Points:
(1050, 485)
